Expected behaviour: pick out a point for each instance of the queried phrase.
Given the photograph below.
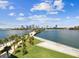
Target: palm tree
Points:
(23, 45)
(11, 38)
(6, 49)
(14, 37)
(31, 40)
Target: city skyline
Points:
(64, 13)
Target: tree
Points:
(6, 41)
(6, 49)
(24, 51)
(12, 37)
(2, 42)
(31, 40)
(16, 38)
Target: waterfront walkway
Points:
(58, 47)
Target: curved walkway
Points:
(58, 47)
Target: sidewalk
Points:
(58, 47)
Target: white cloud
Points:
(58, 4)
(37, 17)
(71, 4)
(48, 1)
(40, 18)
(12, 14)
(67, 17)
(47, 5)
(41, 6)
(53, 13)
(21, 18)
(77, 17)
(21, 14)
(11, 7)
(3, 4)
(56, 19)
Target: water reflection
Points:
(67, 37)
(6, 33)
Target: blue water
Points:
(7, 33)
(67, 37)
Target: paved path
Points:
(8, 43)
(32, 33)
(58, 47)
(4, 55)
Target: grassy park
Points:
(34, 51)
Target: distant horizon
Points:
(39, 26)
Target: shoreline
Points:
(58, 47)
(54, 46)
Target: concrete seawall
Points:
(58, 47)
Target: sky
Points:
(64, 13)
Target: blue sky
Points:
(64, 13)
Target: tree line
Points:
(74, 28)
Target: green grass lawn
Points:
(39, 52)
